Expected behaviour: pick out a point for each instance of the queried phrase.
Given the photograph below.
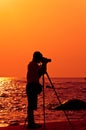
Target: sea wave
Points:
(13, 99)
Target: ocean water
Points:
(13, 100)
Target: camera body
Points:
(45, 60)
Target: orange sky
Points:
(55, 27)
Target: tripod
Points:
(56, 97)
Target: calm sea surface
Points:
(13, 100)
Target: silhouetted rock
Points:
(73, 104)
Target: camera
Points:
(45, 60)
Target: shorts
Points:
(31, 96)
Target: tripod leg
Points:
(59, 100)
(43, 101)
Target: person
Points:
(33, 87)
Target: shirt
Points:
(33, 73)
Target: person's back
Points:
(33, 72)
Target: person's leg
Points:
(30, 116)
(32, 105)
(30, 110)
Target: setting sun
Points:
(5, 3)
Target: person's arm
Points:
(42, 69)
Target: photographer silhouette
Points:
(36, 68)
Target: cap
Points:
(37, 56)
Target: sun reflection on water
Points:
(11, 99)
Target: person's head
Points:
(37, 56)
